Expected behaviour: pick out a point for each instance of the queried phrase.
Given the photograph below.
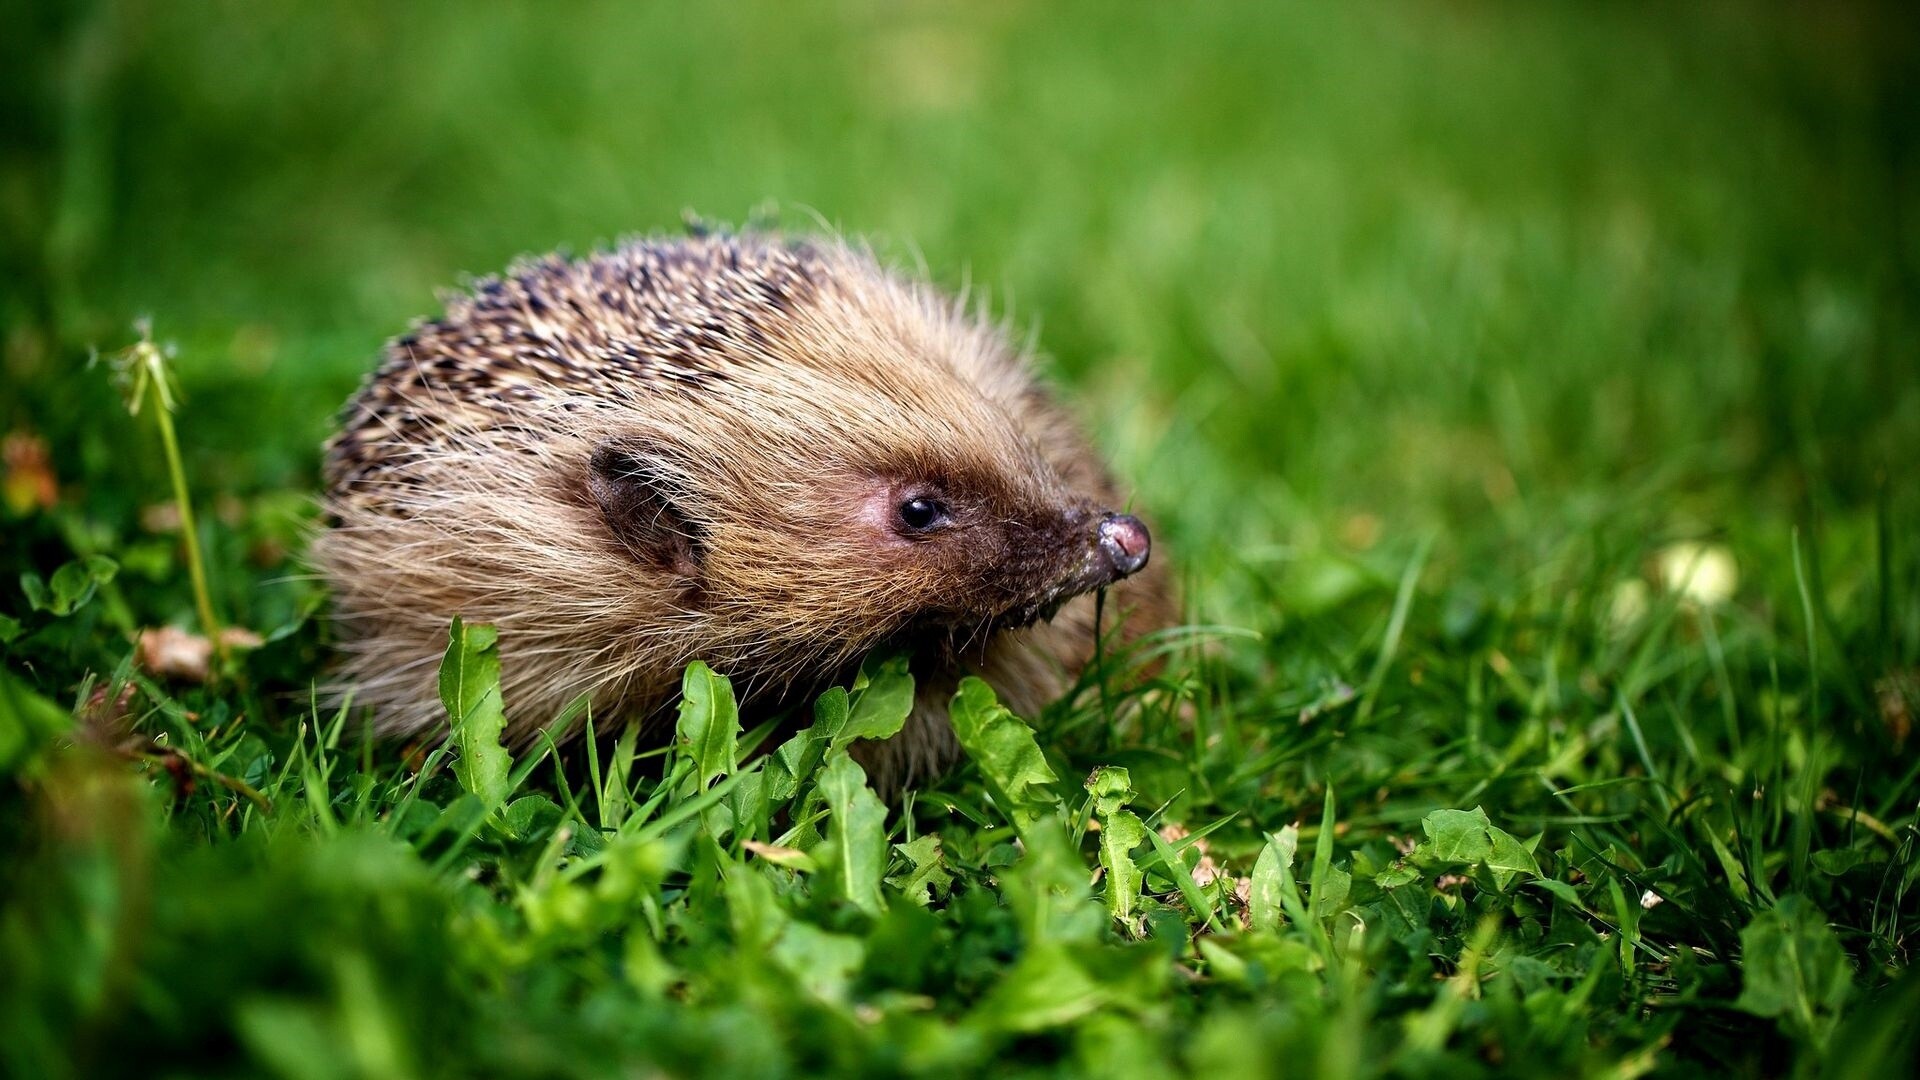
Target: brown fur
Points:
(679, 450)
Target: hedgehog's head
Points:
(880, 466)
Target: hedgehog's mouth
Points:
(961, 631)
(1031, 614)
(956, 631)
(1115, 548)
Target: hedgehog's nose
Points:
(1124, 539)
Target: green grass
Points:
(1440, 340)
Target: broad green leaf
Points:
(1048, 888)
(1562, 890)
(9, 629)
(1046, 989)
(831, 711)
(748, 806)
(1793, 968)
(753, 911)
(709, 724)
(1016, 771)
(645, 969)
(70, 587)
(906, 946)
(1332, 892)
(1266, 904)
(927, 874)
(1457, 836)
(790, 767)
(74, 584)
(1836, 861)
(1508, 858)
(531, 816)
(881, 706)
(1136, 977)
(27, 721)
(854, 855)
(1120, 832)
(35, 586)
(631, 869)
(1111, 788)
(470, 690)
(822, 963)
(1232, 959)
(1879, 1038)
(1400, 873)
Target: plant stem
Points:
(196, 569)
(165, 757)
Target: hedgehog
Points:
(770, 453)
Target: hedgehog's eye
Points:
(921, 514)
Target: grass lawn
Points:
(1528, 396)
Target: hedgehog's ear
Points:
(642, 506)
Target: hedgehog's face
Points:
(972, 556)
(848, 553)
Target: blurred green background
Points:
(1430, 334)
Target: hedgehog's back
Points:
(649, 314)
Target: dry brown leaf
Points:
(173, 653)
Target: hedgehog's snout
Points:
(1125, 542)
